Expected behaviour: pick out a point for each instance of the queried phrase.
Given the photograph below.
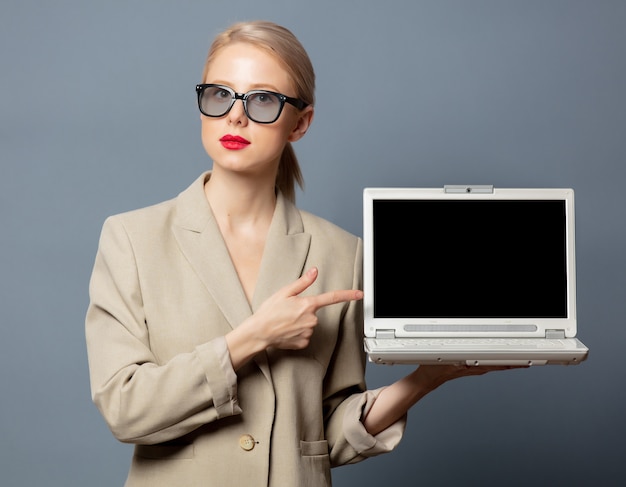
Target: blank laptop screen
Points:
(470, 258)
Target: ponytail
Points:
(289, 173)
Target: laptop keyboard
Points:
(469, 343)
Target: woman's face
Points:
(233, 141)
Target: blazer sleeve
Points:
(346, 400)
(144, 402)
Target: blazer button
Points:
(246, 442)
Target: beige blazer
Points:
(163, 294)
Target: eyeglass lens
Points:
(261, 106)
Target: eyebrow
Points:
(256, 86)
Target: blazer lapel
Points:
(284, 256)
(202, 244)
(286, 249)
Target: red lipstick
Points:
(234, 142)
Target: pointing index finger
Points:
(338, 296)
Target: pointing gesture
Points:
(285, 320)
(320, 300)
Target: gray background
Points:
(98, 115)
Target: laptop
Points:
(472, 275)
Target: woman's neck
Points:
(240, 200)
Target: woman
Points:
(224, 330)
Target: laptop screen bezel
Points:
(477, 326)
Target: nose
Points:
(237, 113)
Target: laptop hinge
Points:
(385, 334)
(464, 188)
(555, 334)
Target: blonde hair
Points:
(287, 49)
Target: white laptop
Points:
(471, 275)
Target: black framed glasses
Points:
(261, 106)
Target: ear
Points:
(305, 119)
